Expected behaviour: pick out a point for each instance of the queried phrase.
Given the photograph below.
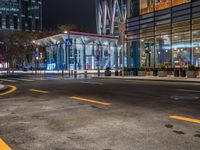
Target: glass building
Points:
(87, 52)
(21, 15)
(108, 14)
(163, 32)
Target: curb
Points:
(173, 80)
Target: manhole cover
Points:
(184, 97)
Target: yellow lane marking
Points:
(185, 119)
(13, 88)
(3, 145)
(91, 101)
(39, 91)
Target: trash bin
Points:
(183, 72)
(116, 73)
(176, 73)
(155, 72)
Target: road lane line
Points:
(3, 145)
(6, 80)
(98, 83)
(39, 91)
(13, 88)
(91, 101)
(185, 119)
(27, 80)
(184, 90)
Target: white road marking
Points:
(27, 80)
(6, 80)
(98, 83)
(184, 90)
(184, 97)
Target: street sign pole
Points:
(68, 43)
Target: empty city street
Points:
(100, 114)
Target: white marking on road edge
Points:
(98, 83)
(27, 80)
(6, 80)
(184, 90)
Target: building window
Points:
(196, 42)
(163, 45)
(179, 2)
(162, 4)
(0, 21)
(146, 6)
(15, 22)
(7, 21)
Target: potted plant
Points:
(126, 71)
(191, 71)
(107, 71)
(141, 71)
(163, 71)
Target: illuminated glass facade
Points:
(87, 52)
(163, 32)
(20, 15)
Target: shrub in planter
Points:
(126, 71)
(163, 71)
(191, 72)
(141, 71)
(107, 71)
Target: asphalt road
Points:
(98, 114)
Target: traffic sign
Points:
(68, 42)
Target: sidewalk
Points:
(152, 78)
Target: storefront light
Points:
(166, 51)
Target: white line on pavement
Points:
(184, 90)
(98, 83)
(27, 80)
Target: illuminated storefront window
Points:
(179, 2)
(162, 4)
(196, 42)
(146, 6)
(181, 43)
(163, 45)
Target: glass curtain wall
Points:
(181, 42)
(196, 42)
(163, 54)
(147, 6)
(83, 56)
(147, 47)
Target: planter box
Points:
(162, 73)
(191, 74)
(141, 73)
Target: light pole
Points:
(122, 28)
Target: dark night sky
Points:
(58, 12)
